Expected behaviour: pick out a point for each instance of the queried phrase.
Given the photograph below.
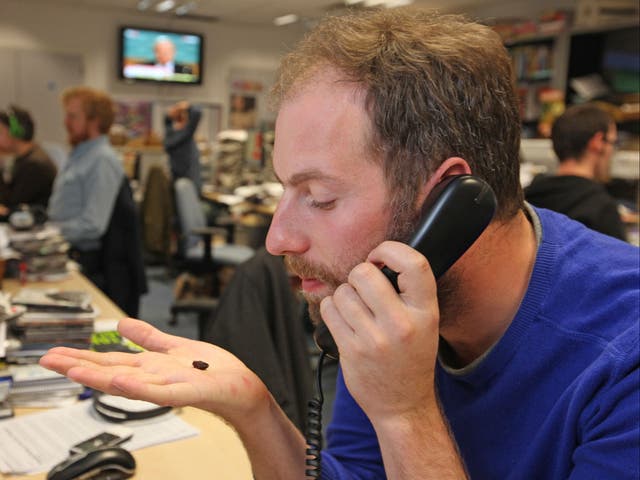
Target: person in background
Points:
(521, 361)
(31, 178)
(242, 114)
(584, 139)
(85, 194)
(181, 122)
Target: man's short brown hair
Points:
(437, 86)
(95, 104)
(571, 131)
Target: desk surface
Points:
(216, 453)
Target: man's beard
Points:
(78, 138)
(332, 276)
(401, 227)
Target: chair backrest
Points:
(123, 266)
(189, 210)
(157, 212)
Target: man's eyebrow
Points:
(307, 175)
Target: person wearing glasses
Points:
(584, 139)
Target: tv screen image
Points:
(161, 55)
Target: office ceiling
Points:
(260, 12)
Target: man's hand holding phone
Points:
(388, 341)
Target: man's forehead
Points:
(74, 104)
(309, 175)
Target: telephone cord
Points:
(314, 427)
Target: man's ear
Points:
(451, 166)
(596, 143)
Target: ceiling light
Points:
(397, 3)
(352, 2)
(165, 5)
(185, 8)
(285, 20)
(144, 4)
(387, 3)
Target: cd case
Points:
(36, 299)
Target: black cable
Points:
(314, 426)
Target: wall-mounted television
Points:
(159, 55)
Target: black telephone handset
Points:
(453, 216)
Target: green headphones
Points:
(15, 127)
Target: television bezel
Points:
(121, 31)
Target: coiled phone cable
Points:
(314, 427)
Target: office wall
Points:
(49, 27)
(66, 31)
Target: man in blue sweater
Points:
(520, 362)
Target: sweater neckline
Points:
(498, 356)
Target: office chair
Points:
(158, 215)
(198, 256)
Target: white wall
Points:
(48, 26)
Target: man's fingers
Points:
(146, 336)
(61, 359)
(110, 380)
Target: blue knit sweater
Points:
(558, 396)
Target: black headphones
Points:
(120, 409)
(16, 129)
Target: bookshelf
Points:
(548, 55)
(535, 61)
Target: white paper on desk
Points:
(35, 443)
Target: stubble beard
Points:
(332, 276)
(77, 138)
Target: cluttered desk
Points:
(181, 443)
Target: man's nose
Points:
(286, 233)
